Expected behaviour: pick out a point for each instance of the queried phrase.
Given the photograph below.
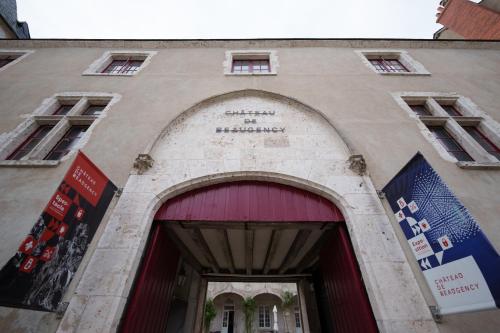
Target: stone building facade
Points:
(229, 296)
(334, 118)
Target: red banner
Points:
(37, 276)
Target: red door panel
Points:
(150, 299)
(348, 304)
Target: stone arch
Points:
(269, 293)
(225, 295)
(236, 93)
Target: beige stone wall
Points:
(328, 76)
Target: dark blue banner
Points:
(460, 265)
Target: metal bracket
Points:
(436, 314)
(61, 309)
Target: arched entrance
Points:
(253, 230)
(195, 151)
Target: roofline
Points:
(252, 42)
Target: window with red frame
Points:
(30, 142)
(251, 66)
(388, 65)
(489, 146)
(449, 143)
(67, 142)
(126, 66)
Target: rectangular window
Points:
(420, 109)
(30, 142)
(67, 142)
(264, 316)
(388, 65)
(251, 66)
(489, 146)
(126, 66)
(449, 143)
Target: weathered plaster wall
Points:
(326, 75)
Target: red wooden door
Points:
(348, 305)
(150, 299)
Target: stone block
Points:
(107, 272)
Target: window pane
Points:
(451, 110)
(115, 67)
(461, 156)
(30, 142)
(420, 110)
(67, 142)
(489, 146)
(439, 132)
(449, 143)
(94, 110)
(63, 109)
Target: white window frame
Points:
(232, 55)
(96, 68)
(472, 115)
(264, 307)
(43, 115)
(414, 67)
(20, 54)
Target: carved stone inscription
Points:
(250, 124)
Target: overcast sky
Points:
(169, 19)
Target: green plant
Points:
(210, 313)
(288, 300)
(249, 307)
(287, 303)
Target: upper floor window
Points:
(7, 59)
(392, 62)
(388, 65)
(459, 129)
(30, 142)
(60, 126)
(251, 66)
(126, 66)
(120, 63)
(449, 143)
(10, 57)
(251, 62)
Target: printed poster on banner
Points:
(458, 262)
(37, 276)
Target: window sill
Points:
(251, 74)
(404, 74)
(29, 164)
(479, 165)
(108, 74)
